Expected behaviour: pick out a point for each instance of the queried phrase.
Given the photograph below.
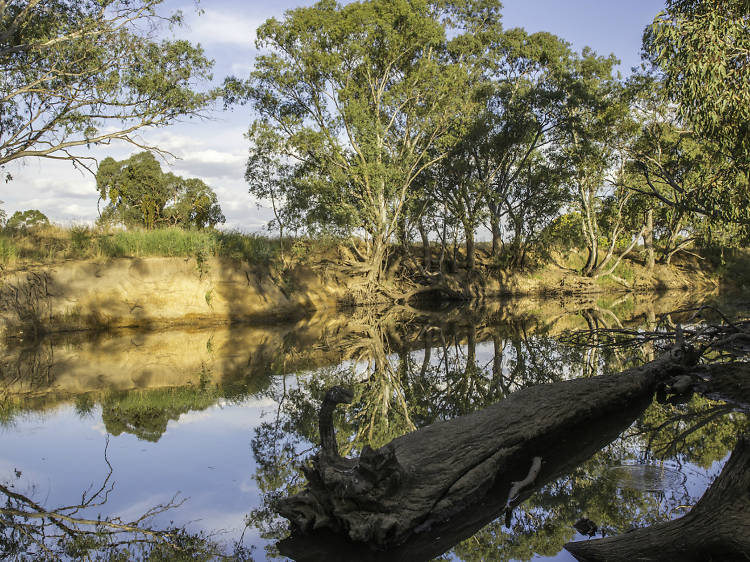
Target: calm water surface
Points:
(200, 429)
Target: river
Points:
(192, 433)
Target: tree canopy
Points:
(139, 193)
(26, 219)
(703, 49)
(82, 72)
(365, 98)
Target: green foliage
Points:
(364, 98)
(250, 248)
(564, 232)
(146, 414)
(80, 239)
(139, 193)
(83, 72)
(690, 184)
(702, 47)
(8, 250)
(25, 220)
(270, 177)
(702, 431)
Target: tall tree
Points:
(682, 174)
(597, 127)
(524, 114)
(271, 177)
(703, 49)
(367, 97)
(83, 72)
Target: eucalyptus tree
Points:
(534, 199)
(702, 47)
(271, 177)
(598, 126)
(525, 114)
(457, 185)
(367, 97)
(26, 220)
(666, 164)
(139, 193)
(76, 73)
(693, 186)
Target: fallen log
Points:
(564, 451)
(421, 480)
(717, 528)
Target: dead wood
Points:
(562, 452)
(423, 479)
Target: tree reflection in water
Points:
(407, 370)
(397, 389)
(30, 530)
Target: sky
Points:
(215, 149)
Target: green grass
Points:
(169, 242)
(8, 250)
(53, 243)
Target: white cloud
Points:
(214, 27)
(191, 417)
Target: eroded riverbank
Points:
(157, 292)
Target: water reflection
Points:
(245, 401)
(31, 528)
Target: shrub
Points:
(251, 248)
(27, 220)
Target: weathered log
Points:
(424, 478)
(717, 528)
(564, 451)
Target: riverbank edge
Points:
(159, 292)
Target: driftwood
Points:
(426, 479)
(717, 528)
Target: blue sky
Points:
(215, 149)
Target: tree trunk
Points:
(648, 240)
(590, 231)
(377, 260)
(454, 260)
(717, 528)
(423, 478)
(402, 235)
(426, 250)
(496, 234)
(469, 233)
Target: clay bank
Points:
(153, 292)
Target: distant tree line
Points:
(139, 193)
